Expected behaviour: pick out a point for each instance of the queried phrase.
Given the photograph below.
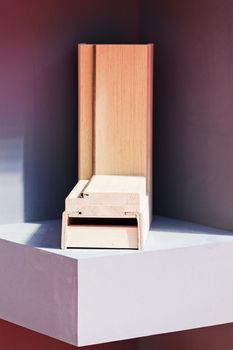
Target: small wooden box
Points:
(111, 205)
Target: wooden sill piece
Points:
(102, 237)
(114, 146)
(107, 212)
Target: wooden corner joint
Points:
(106, 212)
(109, 209)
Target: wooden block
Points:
(107, 216)
(102, 236)
(115, 110)
(116, 184)
(114, 146)
(116, 189)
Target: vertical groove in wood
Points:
(85, 110)
(149, 157)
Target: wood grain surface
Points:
(114, 148)
(115, 110)
(85, 110)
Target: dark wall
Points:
(194, 108)
(38, 104)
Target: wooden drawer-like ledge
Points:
(107, 212)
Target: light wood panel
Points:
(121, 110)
(86, 57)
(100, 213)
(115, 110)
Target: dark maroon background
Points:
(212, 338)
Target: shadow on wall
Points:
(38, 92)
(193, 131)
(50, 137)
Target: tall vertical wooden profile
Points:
(111, 205)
